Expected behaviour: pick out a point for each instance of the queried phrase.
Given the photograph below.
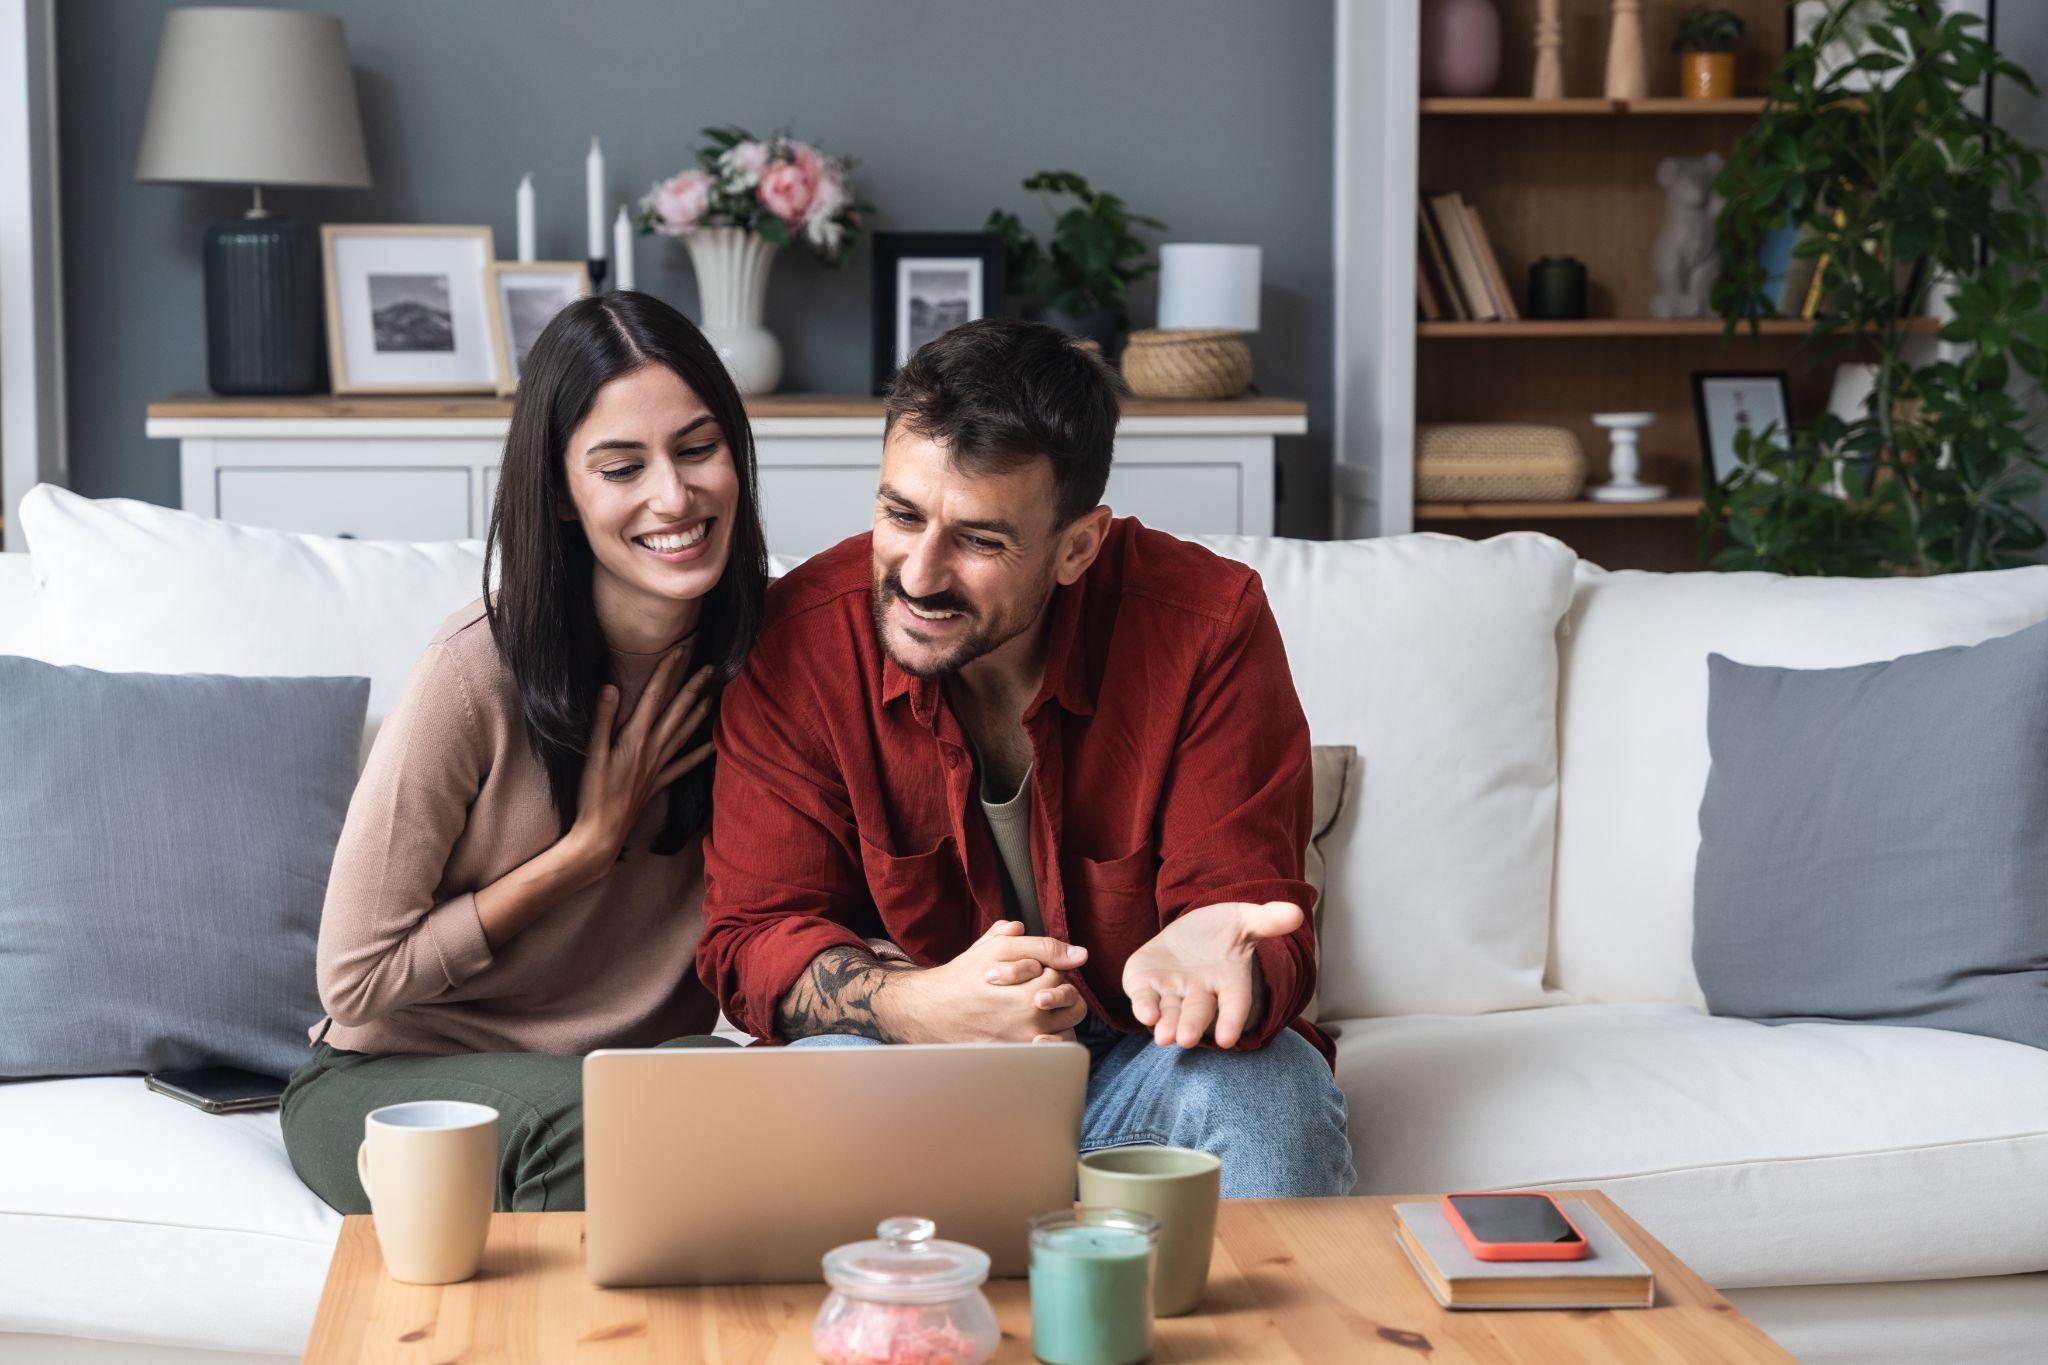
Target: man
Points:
(1054, 758)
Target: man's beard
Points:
(982, 636)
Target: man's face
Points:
(964, 563)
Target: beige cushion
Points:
(1333, 771)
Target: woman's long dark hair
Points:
(543, 617)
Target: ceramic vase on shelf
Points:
(1460, 47)
(732, 288)
(1627, 75)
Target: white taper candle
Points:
(593, 195)
(525, 202)
(622, 250)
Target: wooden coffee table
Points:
(1307, 1280)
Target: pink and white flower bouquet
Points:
(784, 190)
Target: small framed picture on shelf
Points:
(1730, 402)
(407, 309)
(926, 284)
(524, 298)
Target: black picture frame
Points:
(1711, 472)
(980, 254)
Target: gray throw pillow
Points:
(1874, 841)
(164, 847)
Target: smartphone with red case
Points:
(1514, 1227)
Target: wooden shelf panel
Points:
(1579, 510)
(1633, 327)
(1596, 107)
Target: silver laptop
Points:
(746, 1165)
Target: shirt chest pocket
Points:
(921, 897)
(1111, 902)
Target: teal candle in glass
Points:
(1091, 1286)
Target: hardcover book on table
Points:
(1610, 1276)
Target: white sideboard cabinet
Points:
(427, 468)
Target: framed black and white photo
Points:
(926, 284)
(524, 298)
(407, 308)
(1729, 402)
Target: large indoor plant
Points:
(1897, 187)
(1082, 276)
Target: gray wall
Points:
(1213, 115)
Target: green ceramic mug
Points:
(1180, 1188)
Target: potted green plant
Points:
(1898, 187)
(1706, 47)
(1081, 278)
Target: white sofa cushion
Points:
(136, 588)
(21, 607)
(1633, 737)
(128, 1216)
(1761, 1154)
(1436, 657)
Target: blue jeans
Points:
(1275, 1116)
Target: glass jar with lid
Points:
(905, 1298)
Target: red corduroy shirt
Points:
(1170, 771)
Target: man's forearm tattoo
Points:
(837, 994)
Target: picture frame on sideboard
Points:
(927, 283)
(407, 308)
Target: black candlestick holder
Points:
(596, 265)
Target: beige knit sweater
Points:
(452, 799)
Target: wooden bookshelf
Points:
(1577, 177)
(1512, 107)
(1582, 510)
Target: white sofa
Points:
(1506, 944)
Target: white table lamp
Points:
(257, 97)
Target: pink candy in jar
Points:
(905, 1299)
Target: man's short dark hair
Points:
(1002, 392)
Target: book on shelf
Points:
(1496, 278)
(1436, 264)
(1610, 1276)
(1447, 212)
(1427, 304)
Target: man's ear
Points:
(1080, 542)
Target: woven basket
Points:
(1187, 363)
(1497, 462)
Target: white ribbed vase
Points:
(732, 288)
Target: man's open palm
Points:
(1198, 971)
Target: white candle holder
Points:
(1623, 460)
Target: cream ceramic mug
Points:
(430, 1168)
(1178, 1186)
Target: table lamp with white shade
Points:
(1208, 301)
(257, 97)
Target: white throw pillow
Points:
(1633, 742)
(130, 587)
(1436, 657)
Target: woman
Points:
(519, 879)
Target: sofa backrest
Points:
(1633, 734)
(1436, 657)
(21, 609)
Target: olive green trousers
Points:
(538, 1096)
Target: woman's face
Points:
(652, 480)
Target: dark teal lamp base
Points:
(263, 308)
